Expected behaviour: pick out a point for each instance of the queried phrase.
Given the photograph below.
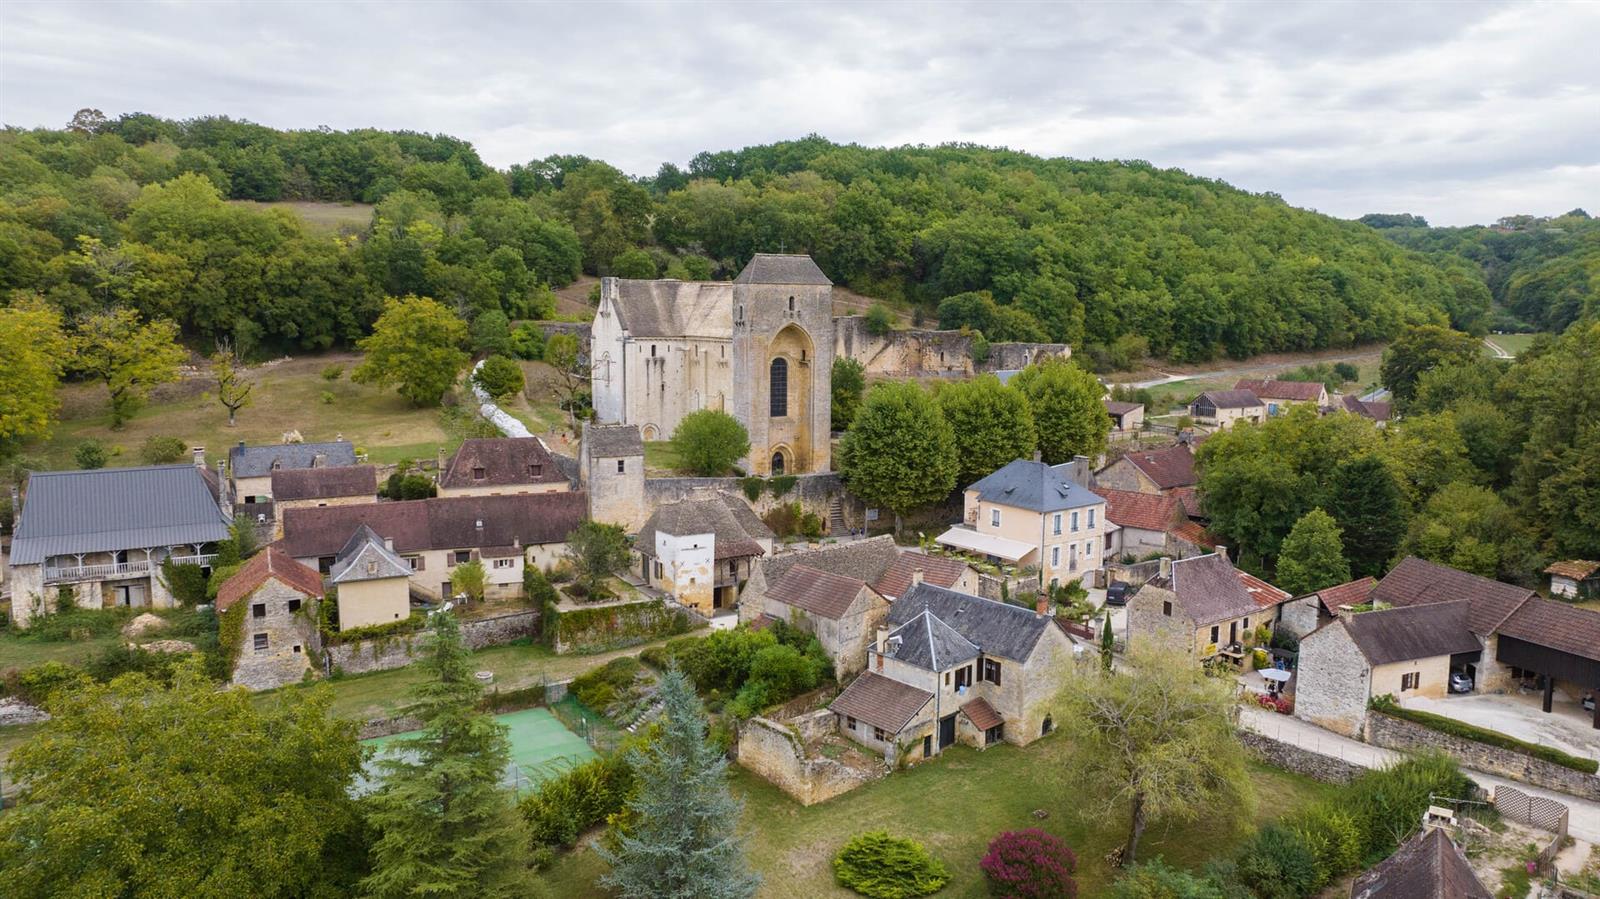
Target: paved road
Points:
(1583, 818)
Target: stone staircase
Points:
(836, 523)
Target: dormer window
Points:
(372, 567)
(535, 471)
(478, 473)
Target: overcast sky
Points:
(1457, 111)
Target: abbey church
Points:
(759, 348)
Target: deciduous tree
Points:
(597, 551)
(848, 384)
(233, 390)
(991, 422)
(709, 441)
(499, 377)
(561, 351)
(469, 578)
(899, 453)
(1365, 502)
(128, 356)
(1067, 411)
(35, 353)
(1313, 555)
(416, 346)
(1418, 349)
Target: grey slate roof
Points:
(995, 628)
(1035, 486)
(927, 642)
(735, 534)
(257, 461)
(1427, 866)
(881, 701)
(607, 441)
(776, 268)
(1413, 632)
(109, 509)
(366, 558)
(864, 560)
(1209, 589)
(669, 308)
(1230, 399)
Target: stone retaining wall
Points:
(776, 752)
(1397, 733)
(814, 493)
(383, 654)
(1301, 761)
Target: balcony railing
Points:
(105, 570)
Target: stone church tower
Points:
(783, 363)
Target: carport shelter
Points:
(1557, 641)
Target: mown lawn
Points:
(659, 455)
(322, 218)
(1512, 343)
(955, 806)
(25, 652)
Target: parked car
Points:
(1588, 702)
(1117, 594)
(1460, 682)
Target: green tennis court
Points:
(540, 747)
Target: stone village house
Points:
(948, 667)
(300, 488)
(611, 472)
(497, 466)
(1150, 471)
(371, 584)
(1203, 606)
(250, 468)
(1220, 409)
(1278, 396)
(699, 551)
(279, 625)
(1028, 513)
(1304, 614)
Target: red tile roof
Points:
(1297, 391)
(271, 562)
(936, 570)
(1353, 593)
(1377, 411)
(1190, 499)
(1557, 625)
(1168, 468)
(1195, 533)
(1118, 407)
(1577, 569)
(1146, 511)
(1265, 595)
(818, 592)
(881, 701)
(982, 714)
(453, 522)
(1417, 581)
(505, 462)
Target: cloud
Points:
(1460, 112)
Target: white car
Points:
(1460, 682)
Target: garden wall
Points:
(1395, 733)
(776, 752)
(1301, 761)
(814, 493)
(989, 586)
(385, 653)
(613, 625)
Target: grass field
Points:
(954, 806)
(541, 746)
(1512, 343)
(1169, 396)
(322, 218)
(660, 456)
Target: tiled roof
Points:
(982, 714)
(864, 560)
(1118, 407)
(108, 509)
(1413, 632)
(365, 557)
(1194, 532)
(668, 309)
(1262, 592)
(776, 268)
(1145, 511)
(818, 592)
(1373, 409)
(324, 483)
(259, 461)
(734, 527)
(1577, 569)
(1298, 391)
(453, 522)
(505, 461)
(271, 562)
(1427, 866)
(1417, 581)
(926, 641)
(1353, 593)
(936, 570)
(1557, 625)
(996, 628)
(1210, 589)
(1230, 399)
(1168, 468)
(607, 441)
(1190, 498)
(881, 701)
(1035, 486)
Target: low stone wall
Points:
(776, 752)
(1301, 761)
(1397, 733)
(814, 493)
(385, 727)
(384, 654)
(1012, 356)
(989, 586)
(615, 625)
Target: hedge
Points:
(1386, 706)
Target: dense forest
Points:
(134, 212)
(1544, 273)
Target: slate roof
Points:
(821, 593)
(1557, 625)
(607, 441)
(1231, 399)
(1417, 581)
(864, 560)
(996, 628)
(1352, 593)
(1373, 409)
(1577, 569)
(668, 308)
(1413, 632)
(1168, 468)
(1209, 589)
(271, 562)
(734, 527)
(927, 642)
(1145, 511)
(506, 462)
(937, 570)
(982, 714)
(1427, 866)
(1294, 391)
(779, 268)
(108, 509)
(441, 523)
(366, 558)
(1034, 486)
(881, 701)
(324, 483)
(257, 461)
(1118, 407)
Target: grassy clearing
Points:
(1512, 343)
(954, 806)
(660, 456)
(21, 651)
(288, 396)
(322, 218)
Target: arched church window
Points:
(779, 385)
(777, 464)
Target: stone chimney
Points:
(916, 576)
(1038, 456)
(199, 453)
(1166, 567)
(224, 495)
(1222, 553)
(1041, 607)
(1345, 612)
(883, 634)
(320, 460)
(1080, 470)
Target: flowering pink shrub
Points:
(1030, 864)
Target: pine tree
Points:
(682, 844)
(1364, 499)
(446, 826)
(1313, 555)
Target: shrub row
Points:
(600, 687)
(756, 668)
(1386, 705)
(566, 805)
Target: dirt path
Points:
(1261, 365)
(1499, 352)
